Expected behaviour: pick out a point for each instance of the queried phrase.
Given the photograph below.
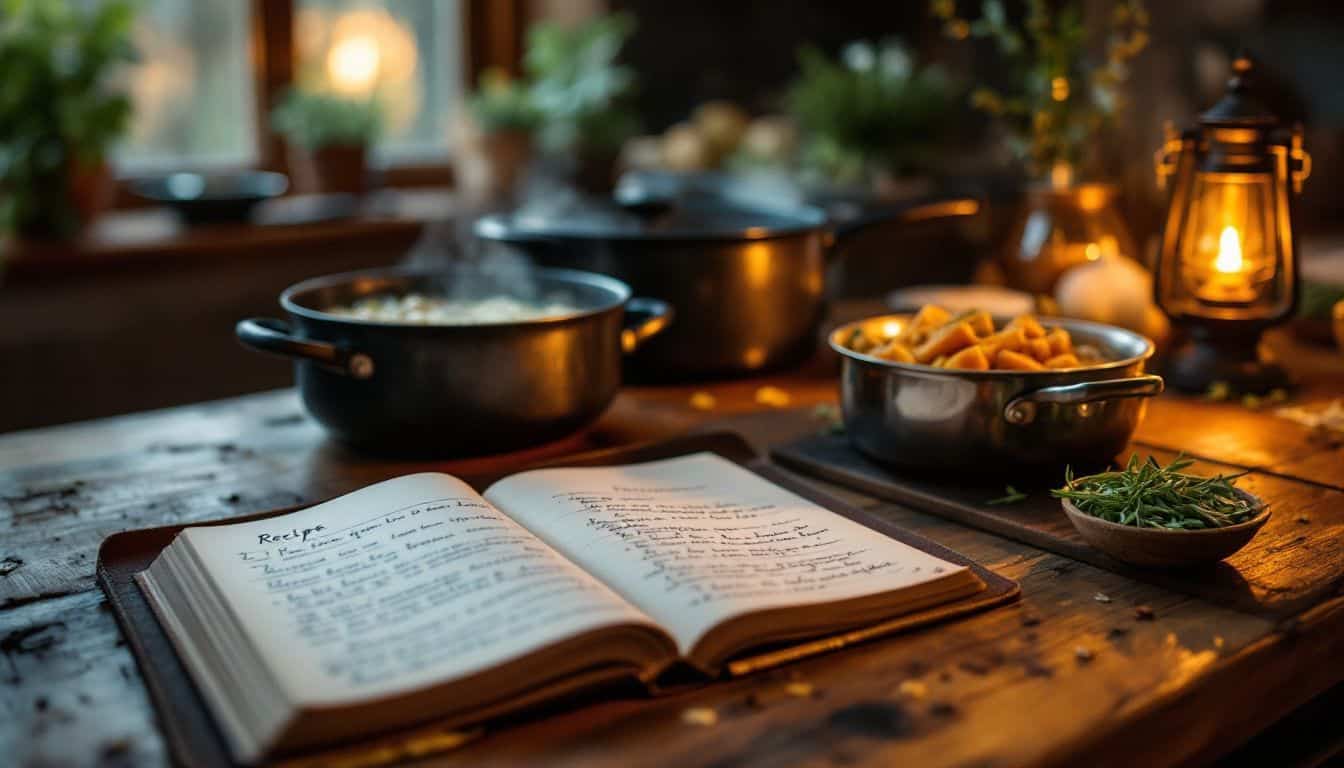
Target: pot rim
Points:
(497, 228)
(1068, 324)
(1260, 517)
(620, 291)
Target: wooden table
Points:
(1007, 687)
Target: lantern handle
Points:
(1301, 167)
(1164, 159)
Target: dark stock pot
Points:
(745, 273)
(993, 422)
(456, 390)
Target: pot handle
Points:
(1021, 410)
(644, 319)
(267, 334)
(924, 211)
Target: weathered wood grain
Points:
(1009, 687)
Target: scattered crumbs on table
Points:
(945, 676)
(425, 744)
(702, 716)
(800, 689)
(1171, 640)
(1083, 653)
(754, 700)
(1010, 496)
(1329, 418)
(1218, 641)
(1102, 597)
(1115, 633)
(1303, 519)
(703, 401)
(914, 689)
(1030, 619)
(115, 749)
(232, 498)
(1144, 613)
(1218, 391)
(773, 397)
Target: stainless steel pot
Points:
(991, 421)
(746, 276)
(454, 390)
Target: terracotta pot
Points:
(334, 169)
(491, 166)
(86, 190)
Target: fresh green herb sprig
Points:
(1010, 496)
(1146, 494)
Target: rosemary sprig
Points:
(1146, 494)
(1011, 496)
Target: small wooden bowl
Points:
(1161, 548)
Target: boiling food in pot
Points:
(969, 341)
(419, 309)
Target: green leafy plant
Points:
(578, 86)
(872, 109)
(317, 119)
(502, 104)
(61, 105)
(1067, 81)
(1146, 494)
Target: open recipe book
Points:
(419, 599)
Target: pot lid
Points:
(650, 219)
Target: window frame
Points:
(492, 36)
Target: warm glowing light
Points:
(891, 329)
(1092, 252)
(353, 64)
(1229, 259)
(1059, 89)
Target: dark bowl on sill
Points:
(213, 198)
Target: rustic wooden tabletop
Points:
(1071, 675)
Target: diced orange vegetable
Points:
(895, 351)
(1029, 326)
(930, 316)
(1060, 343)
(970, 358)
(981, 323)
(1008, 338)
(947, 340)
(939, 361)
(1039, 349)
(1009, 360)
(1066, 360)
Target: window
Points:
(195, 89)
(192, 90)
(404, 52)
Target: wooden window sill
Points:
(153, 236)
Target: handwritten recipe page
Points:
(397, 584)
(696, 540)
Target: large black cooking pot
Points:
(457, 390)
(746, 277)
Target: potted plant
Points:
(871, 118)
(61, 107)
(1064, 90)
(497, 143)
(328, 137)
(583, 94)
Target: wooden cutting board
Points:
(1295, 561)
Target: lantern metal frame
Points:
(1238, 135)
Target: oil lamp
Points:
(1227, 269)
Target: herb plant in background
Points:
(1065, 79)
(501, 104)
(872, 111)
(496, 145)
(61, 108)
(582, 92)
(316, 119)
(328, 136)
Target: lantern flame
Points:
(1229, 259)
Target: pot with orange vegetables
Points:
(971, 391)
